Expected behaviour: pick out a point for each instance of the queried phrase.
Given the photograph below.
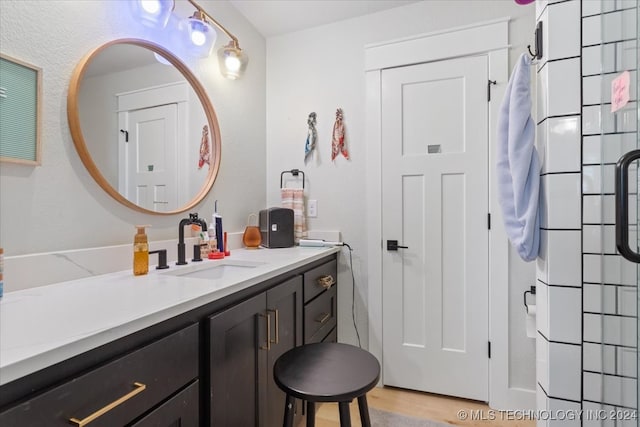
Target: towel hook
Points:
(538, 41)
(294, 172)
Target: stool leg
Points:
(364, 411)
(311, 414)
(345, 418)
(289, 405)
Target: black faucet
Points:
(193, 219)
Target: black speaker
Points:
(276, 228)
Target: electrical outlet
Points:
(312, 207)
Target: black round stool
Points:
(327, 372)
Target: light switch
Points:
(312, 207)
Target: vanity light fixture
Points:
(231, 59)
(198, 31)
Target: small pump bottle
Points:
(140, 251)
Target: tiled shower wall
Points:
(559, 274)
(587, 316)
(609, 353)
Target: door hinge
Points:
(489, 349)
(489, 221)
(489, 83)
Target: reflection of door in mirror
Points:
(162, 109)
(153, 120)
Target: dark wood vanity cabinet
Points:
(121, 391)
(244, 343)
(209, 366)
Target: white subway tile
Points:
(606, 148)
(592, 268)
(628, 300)
(598, 119)
(627, 359)
(594, 7)
(599, 358)
(564, 371)
(598, 209)
(563, 90)
(565, 309)
(608, 28)
(542, 268)
(598, 59)
(562, 31)
(610, 389)
(618, 270)
(592, 414)
(563, 413)
(591, 29)
(542, 361)
(598, 179)
(626, 55)
(599, 239)
(626, 119)
(614, 330)
(563, 257)
(561, 201)
(600, 298)
(542, 93)
(597, 89)
(561, 136)
(542, 309)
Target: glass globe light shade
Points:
(232, 61)
(152, 13)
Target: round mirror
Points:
(144, 126)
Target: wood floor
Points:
(422, 405)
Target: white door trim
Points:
(490, 38)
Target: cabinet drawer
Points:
(119, 391)
(313, 286)
(320, 316)
(181, 410)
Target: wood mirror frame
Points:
(73, 116)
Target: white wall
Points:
(58, 206)
(321, 69)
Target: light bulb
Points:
(198, 38)
(150, 6)
(232, 63)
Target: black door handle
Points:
(392, 245)
(622, 206)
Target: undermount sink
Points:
(212, 270)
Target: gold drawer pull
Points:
(268, 346)
(323, 318)
(277, 316)
(139, 388)
(326, 281)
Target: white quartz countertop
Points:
(46, 325)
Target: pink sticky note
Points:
(620, 91)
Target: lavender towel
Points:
(518, 166)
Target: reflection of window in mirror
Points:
(142, 125)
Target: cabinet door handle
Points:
(276, 314)
(139, 388)
(268, 346)
(326, 281)
(323, 317)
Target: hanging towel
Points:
(293, 198)
(312, 137)
(205, 153)
(518, 166)
(337, 140)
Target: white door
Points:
(435, 202)
(151, 157)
